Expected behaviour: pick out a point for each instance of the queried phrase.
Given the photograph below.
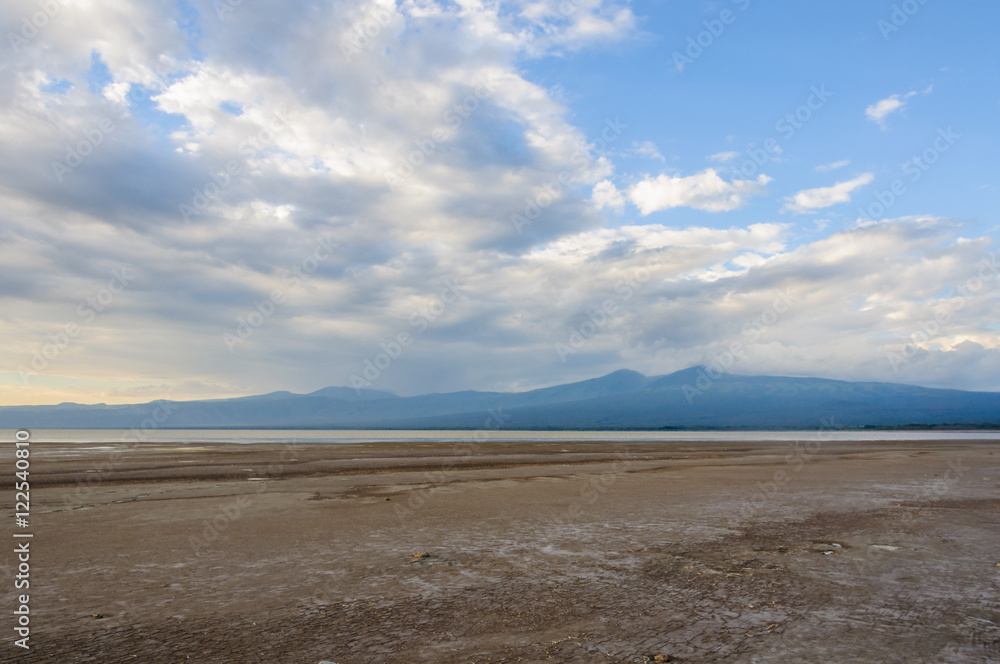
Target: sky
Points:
(206, 199)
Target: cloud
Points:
(808, 200)
(823, 168)
(437, 95)
(333, 102)
(880, 110)
(547, 26)
(605, 194)
(648, 149)
(723, 157)
(702, 191)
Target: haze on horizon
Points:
(205, 199)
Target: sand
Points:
(511, 552)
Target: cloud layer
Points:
(202, 202)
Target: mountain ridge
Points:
(693, 398)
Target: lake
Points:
(250, 436)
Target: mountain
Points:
(694, 398)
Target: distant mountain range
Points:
(694, 398)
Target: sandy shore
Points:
(511, 552)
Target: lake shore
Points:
(589, 551)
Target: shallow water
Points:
(249, 436)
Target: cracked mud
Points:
(683, 552)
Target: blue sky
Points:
(422, 196)
(763, 65)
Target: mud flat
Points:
(511, 552)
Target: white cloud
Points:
(824, 197)
(693, 305)
(878, 111)
(350, 121)
(606, 194)
(824, 168)
(708, 243)
(648, 149)
(323, 175)
(553, 25)
(883, 108)
(702, 191)
(722, 157)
